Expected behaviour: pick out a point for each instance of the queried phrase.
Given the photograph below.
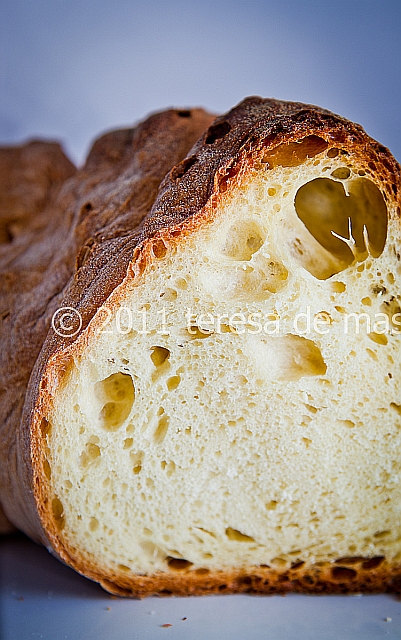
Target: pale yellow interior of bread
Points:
(208, 441)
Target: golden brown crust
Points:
(105, 243)
(63, 221)
(349, 575)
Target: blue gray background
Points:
(71, 69)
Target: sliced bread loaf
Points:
(217, 405)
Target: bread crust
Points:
(348, 576)
(63, 219)
(110, 250)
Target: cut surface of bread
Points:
(230, 417)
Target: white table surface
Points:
(42, 598)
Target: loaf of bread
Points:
(201, 360)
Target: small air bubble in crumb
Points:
(388, 619)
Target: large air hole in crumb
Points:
(347, 225)
(173, 382)
(58, 513)
(396, 407)
(89, 454)
(256, 281)
(338, 287)
(295, 153)
(117, 394)
(46, 469)
(392, 309)
(161, 429)
(169, 295)
(350, 560)
(234, 534)
(287, 358)
(279, 563)
(137, 461)
(159, 355)
(93, 524)
(45, 427)
(168, 467)
(378, 338)
(244, 238)
(159, 249)
(197, 333)
(124, 568)
(152, 550)
(178, 564)
(342, 173)
(372, 563)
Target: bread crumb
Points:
(388, 619)
(166, 625)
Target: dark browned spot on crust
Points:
(343, 573)
(217, 131)
(181, 169)
(184, 113)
